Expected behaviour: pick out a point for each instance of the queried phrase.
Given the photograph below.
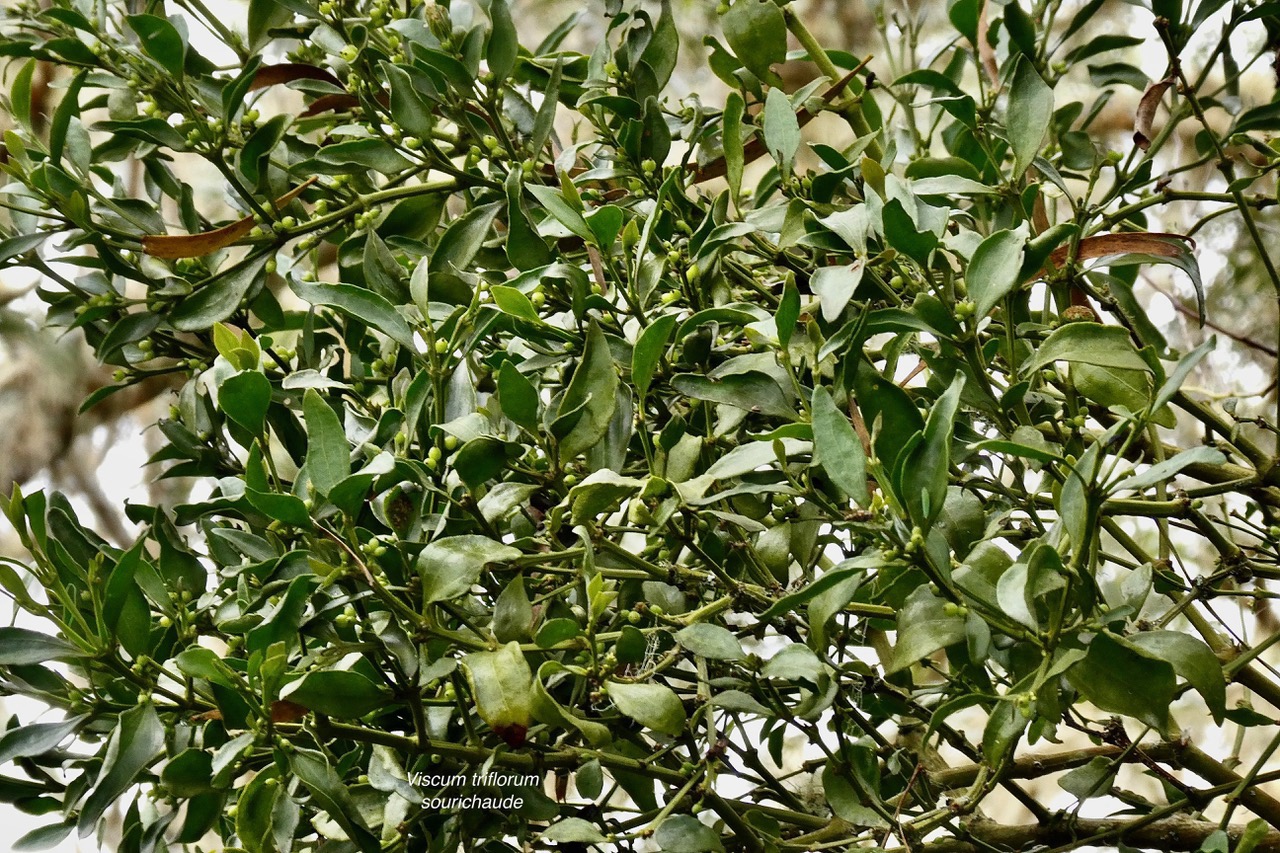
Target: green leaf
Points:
(328, 454)
(652, 705)
(199, 662)
(526, 250)
(68, 108)
(788, 312)
(573, 829)
(795, 662)
(753, 391)
(547, 710)
(244, 399)
(1120, 678)
(36, 738)
(902, 233)
(923, 628)
(664, 47)
(605, 223)
(545, 120)
(1090, 780)
(1192, 659)
(256, 810)
(648, 352)
(846, 800)
(599, 494)
(837, 448)
(336, 693)
(359, 155)
(22, 646)
(566, 213)
(1088, 343)
(219, 297)
(450, 566)
(1161, 471)
(519, 398)
(1255, 832)
(994, 270)
(710, 641)
(817, 593)
(364, 305)
(1030, 109)
(594, 389)
(135, 742)
(1216, 842)
(924, 470)
(1128, 390)
(684, 833)
(188, 773)
(282, 625)
(731, 139)
(757, 34)
(43, 838)
(161, 41)
(781, 129)
(463, 239)
(20, 94)
(1181, 371)
(889, 412)
(331, 795)
(502, 686)
(264, 16)
(481, 459)
(1036, 574)
(513, 302)
(1002, 732)
(513, 613)
(504, 43)
(834, 287)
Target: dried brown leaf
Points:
(987, 53)
(327, 103)
(284, 711)
(207, 242)
(1147, 112)
(287, 72)
(1147, 243)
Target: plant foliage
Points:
(548, 427)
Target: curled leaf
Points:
(987, 51)
(1147, 112)
(1147, 243)
(325, 103)
(287, 72)
(207, 242)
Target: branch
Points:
(1187, 756)
(1177, 833)
(1260, 346)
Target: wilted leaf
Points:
(1147, 112)
(208, 242)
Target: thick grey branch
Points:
(1177, 833)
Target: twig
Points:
(1235, 336)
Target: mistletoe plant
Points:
(567, 453)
